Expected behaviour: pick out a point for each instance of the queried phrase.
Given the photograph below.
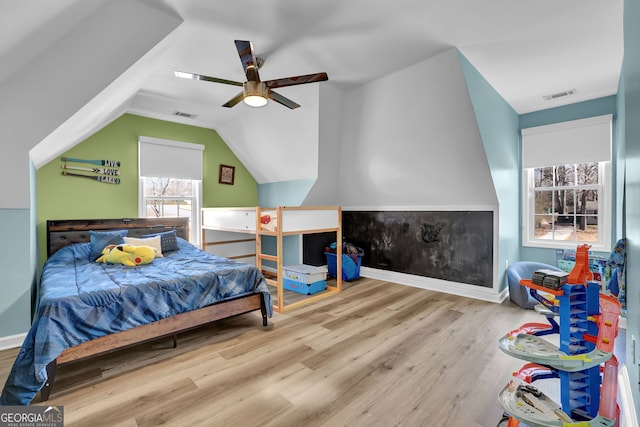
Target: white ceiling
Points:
(525, 49)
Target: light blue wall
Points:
(498, 125)
(34, 271)
(17, 271)
(286, 193)
(619, 157)
(19, 265)
(581, 110)
(629, 108)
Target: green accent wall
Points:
(66, 197)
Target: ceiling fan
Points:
(255, 91)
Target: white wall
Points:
(275, 143)
(325, 190)
(411, 139)
(51, 88)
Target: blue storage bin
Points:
(350, 270)
(304, 288)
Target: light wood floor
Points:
(379, 354)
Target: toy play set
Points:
(304, 279)
(587, 325)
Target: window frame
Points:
(157, 159)
(196, 205)
(587, 140)
(604, 212)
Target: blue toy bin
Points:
(304, 288)
(350, 270)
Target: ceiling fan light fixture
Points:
(255, 94)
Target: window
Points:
(170, 177)
(566, 184)
(171, 198)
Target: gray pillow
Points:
(168, 240)
(101, 239)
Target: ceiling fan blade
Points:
(248, 59)
(282, 100)
(297, 80)
(185, 75)
(233, 101)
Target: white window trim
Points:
(604, 215)
(197, 208)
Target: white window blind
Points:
(169, 159)
(577, 141)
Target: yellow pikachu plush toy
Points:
(127, 254)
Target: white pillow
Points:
(154, 242)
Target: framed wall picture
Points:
(227, 174)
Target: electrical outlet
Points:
(506, 264)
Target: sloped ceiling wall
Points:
(411, 139)
(93, 52)
(274, 143)
(325, 190)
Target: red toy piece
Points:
(609, 391)
(531, 372)
(607, 322)
(531, 329)
(581, 273)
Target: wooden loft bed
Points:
(224, 230)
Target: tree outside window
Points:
(566, 203)
(171, 198)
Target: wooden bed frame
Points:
(65, 232)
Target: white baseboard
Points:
(461, 289)
(12, 341)
(628, 417)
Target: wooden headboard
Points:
(63, 232)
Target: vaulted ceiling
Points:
(526, 50)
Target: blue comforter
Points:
(81, 300)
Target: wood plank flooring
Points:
(378, 354)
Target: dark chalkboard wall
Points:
(455, 246)
(313, 246)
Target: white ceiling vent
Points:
(183, 114)
(559, 95)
